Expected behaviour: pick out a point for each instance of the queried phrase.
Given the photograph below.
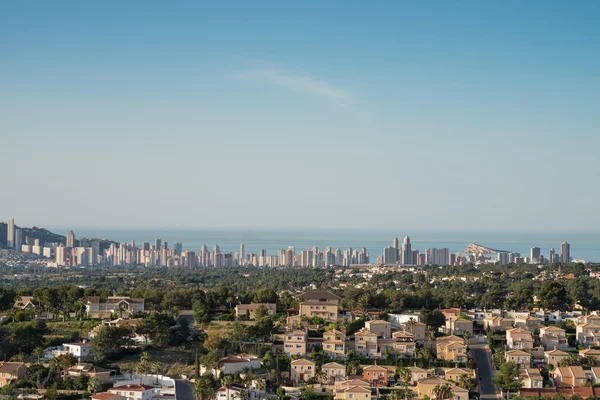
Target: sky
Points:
(418, 115)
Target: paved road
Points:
(184, 390)
(484, 369)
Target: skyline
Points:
(299, 116)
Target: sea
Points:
(584, 245)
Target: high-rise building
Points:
(18, 239)
(70, 239)
(390, 255)
(242, 252)
(10, 233)
(534, 255)
(407, 252)
(565, 253)
(157, 244)
(552, 256)
(178, 247)
(503, 258)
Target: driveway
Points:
(484, 370)
(184, 390)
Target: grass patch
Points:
(169, 356)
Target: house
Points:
(519, 338)
(302, 370)
(320, 304)
(451, 312)
(231, 365)
(108, 396)
(595, 375)
(350, 383)
(403, 343)
(528, 322)
(334, 343)
(82, 350)
(591, 352)
(519, 357)
(572, 376)
(496, 323)
(236, 392)
(459, 393)
(588, 333)
(451, 348)
(353, 393)
(102, 374)
(553, 357)
(454, 374)
(294, 343)
(134, 392)
(458, 326)
(333, 372)
(553, 337)
(398, 319)
(11, 372)
(426, 387)
(418, 329)
(24, 303)
(377, 375)
(589, 319)
(97, 307)
(532, 379)
(249, 310)
(365, 343)
(417, 374)
(383, 329)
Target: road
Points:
(184, 390)
(484, 370)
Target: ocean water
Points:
(584, 245)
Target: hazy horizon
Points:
(439, 116)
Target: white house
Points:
(97, 307)
(134, 392)
(233, 364)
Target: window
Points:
(350, 396)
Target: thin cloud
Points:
(299, 83)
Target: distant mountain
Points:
(474, 248)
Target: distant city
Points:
(88, 252)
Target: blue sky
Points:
(437, 115)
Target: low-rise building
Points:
(24, 303)
(383, 329)
(417, 374)
(97, 307)
(231, 365)
(451, 348)
(418, 329)
(320, 304)
(249, 310)
(519, 338)
(377, 375)
(334, 343)
(11, 372)
(532, 379)
(591, 352)
(365, 343)
(353, 393)
(572, 376)
(83, 351)
(102, 374)
(553, 337)
(294, 343)
(458, 326)
(403, 343)
(528, 322)
(302, 370)
(334, 372)
(588, 333)
(553, 357)
(496, 323)
(454, 374)
(108, 396)
(519, 357)
(134, 392)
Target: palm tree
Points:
(465, 381)
(259, 384)
(467, 336)
(227, 381)
(39, 353)
(443, 391)
(431, 338)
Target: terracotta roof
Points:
(10, 367)
(378, 322)
(332, 365)
(103, 396)
(319, 295)
(302, 361)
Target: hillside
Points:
(44, 235)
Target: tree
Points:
(508, 378)
(443, 391)
(259, 384)
(552, 295)
(227, 381)
(466, 381)
(467, 336)
(94, 385)
(204, 387)
(64, 361)
(111, 340)
(39, 353)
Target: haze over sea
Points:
(584, 245)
